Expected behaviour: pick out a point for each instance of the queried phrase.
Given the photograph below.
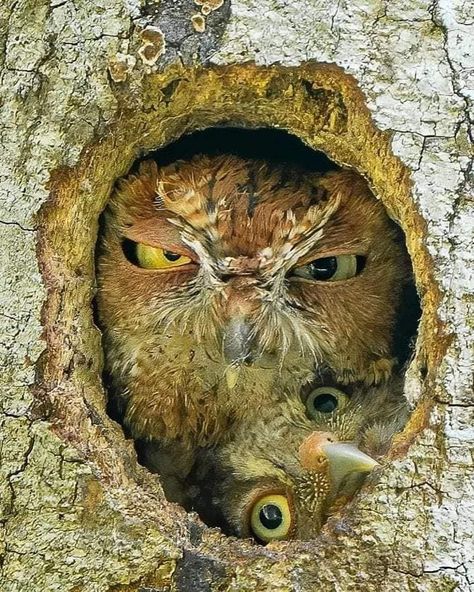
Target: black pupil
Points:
(270, 516)
(325, 403)
(171, 256)
(324, 268)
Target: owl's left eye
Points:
(331, 269)
(325, 400)
(148, 257)
(271, 518)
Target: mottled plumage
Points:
(295, 451)
(244, 306)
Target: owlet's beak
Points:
(321, 451)
(346, 459)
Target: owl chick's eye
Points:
(271, 518)
(331, 269)
(325, 399)
(149, 257)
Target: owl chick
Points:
(218, 271)
(279, 477)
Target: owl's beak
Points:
(237, 348)
(238, 338)
(346, 459)
(346, 464)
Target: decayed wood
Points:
(81, 82)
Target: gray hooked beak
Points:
(346, 459)
(237, 346)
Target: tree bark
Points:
(85, 88)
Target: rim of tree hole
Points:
(316, 103)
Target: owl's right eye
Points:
(271, 518)
(325, 400)
(148, 257)
(331, 269)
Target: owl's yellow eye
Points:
(154, 258)
(325, 400)
(149, 257)
(331, 269)
(271, 518)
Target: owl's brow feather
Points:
(292, 239)
(304, 235)
(205, 241)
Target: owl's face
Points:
(280, 476)
(220, 273)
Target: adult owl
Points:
(279, 476)
(219, 272)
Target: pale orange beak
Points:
(321, 450)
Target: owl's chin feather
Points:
(197, 403)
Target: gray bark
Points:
(79, 99)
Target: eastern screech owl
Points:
(279, 476)
(219, 272)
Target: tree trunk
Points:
(87, 87)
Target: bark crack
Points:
(18, 225)
(10, 510)
(437, 19)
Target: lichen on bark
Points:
(77, 512)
